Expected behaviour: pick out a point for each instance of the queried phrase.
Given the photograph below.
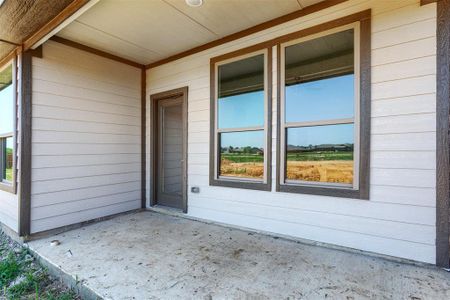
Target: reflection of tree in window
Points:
(9, 159)
(242, 154)
(320, 153)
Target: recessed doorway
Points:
(169, 111)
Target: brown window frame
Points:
(362, 190)
(214, 179)
(10, 187)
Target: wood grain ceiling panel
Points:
(20, 19)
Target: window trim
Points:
(363, 89)
(6, 186)
(246, 183)
(354, 120)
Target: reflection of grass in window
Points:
(9, 174)
(320, 166)
(320, 155)
(242, 165)
(9, 160)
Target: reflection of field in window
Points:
(242, 165)
(320, 166)
(242, 154)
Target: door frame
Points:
(175, 93)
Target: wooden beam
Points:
(9, 42)
(25, 145)
(36, 52)
(96, 51)
(53, 23)
(232, 37)
(10, 56)
(143, 136)
(425, 2)
(442, 134)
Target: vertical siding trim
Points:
(143, 136)
(25, 144)
(442, 133)
(365, 107)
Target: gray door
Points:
(170, 153)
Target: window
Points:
(7, 119)
(240, 149)
(321, 142)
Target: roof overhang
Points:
(26, 24)
(142, 33)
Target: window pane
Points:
(319, 78)
(8, 159)
(6, 101)
(320, 153)
(241, 93)
(242, 154)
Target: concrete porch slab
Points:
(148, 255)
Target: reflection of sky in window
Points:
(242, 139)
(6, 110)
(318, 135)
(9, 143)
(330, 98)
(244, 110)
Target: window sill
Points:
(7, 187)
(324, 191)
(241, 184)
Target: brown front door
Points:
(170, 146)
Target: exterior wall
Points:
(9, 210)
(9, 202)
(86, 137)
(399, 219)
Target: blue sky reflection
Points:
(242, 139)
(331, 98)
(6, 109)
(320, 135)
(244, 110)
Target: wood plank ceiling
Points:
(20, 19)
(146, 31)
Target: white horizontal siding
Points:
(9, 210)
(86, 138)
(9, 202)
(399, 218)
(81, 214)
